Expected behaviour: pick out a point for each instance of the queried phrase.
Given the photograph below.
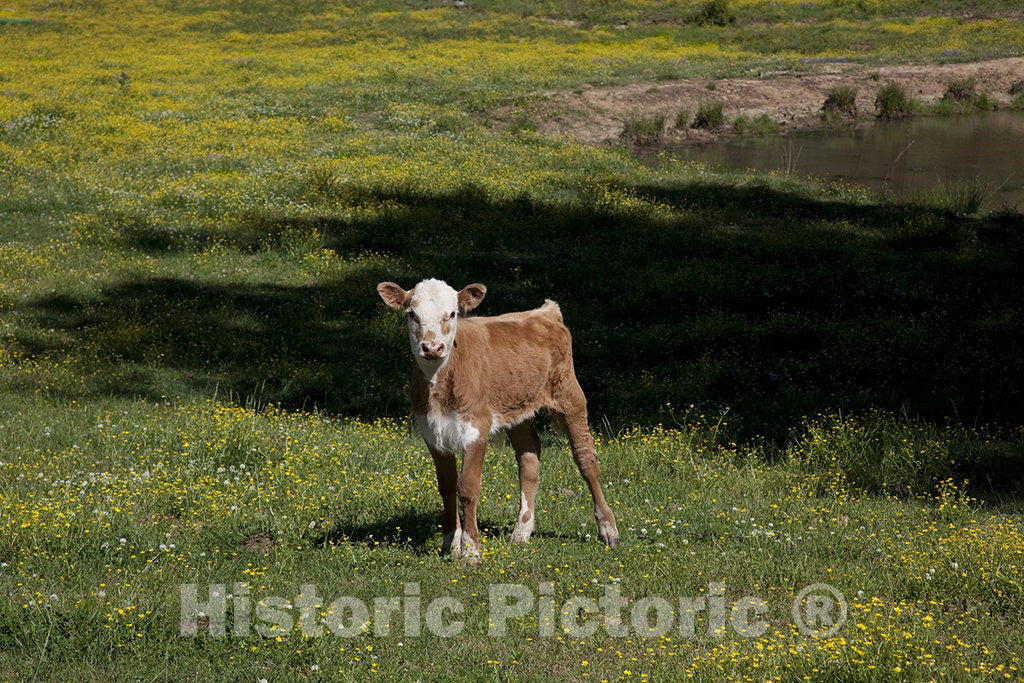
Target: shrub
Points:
(1018, 102)
(643, 130)
(892, 102)
(841, 100)
(962, 90)
(683, 119)
(709, 115)
(1017, 88)
(715, 13)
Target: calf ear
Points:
(393, 295)
(471, 296)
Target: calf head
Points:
(431, 311)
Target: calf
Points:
(476, 376)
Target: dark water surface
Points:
(907, 157)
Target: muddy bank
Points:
(597, 115)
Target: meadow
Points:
(793, 381)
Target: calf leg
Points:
(447, 476)
(573, 410)
(527, 446)
(469, 494)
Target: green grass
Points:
(840, 101)
(791, 382)
(892, 102)
(964, 198)
(643, 130)
(962, 90)
(125, 501)
(762, 124)
(710, 115)
(715, 13)
(961, 97)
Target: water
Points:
(901, 157)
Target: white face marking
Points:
(432, 316)
(446, 433)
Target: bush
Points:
(683, 119)
(962, 90)
(1017, 88)
(892, 103)
(643, 130)
(1018, 102)
(841, 100)
(715, 13)
(709, 116)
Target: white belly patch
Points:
(447, 433)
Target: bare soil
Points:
(597, 115)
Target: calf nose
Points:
(432, 349)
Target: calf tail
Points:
(553, 308)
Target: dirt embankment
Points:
(598, 115)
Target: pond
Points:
(906, 157)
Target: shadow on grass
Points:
(411, 528)
(775, 304)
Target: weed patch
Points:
(710, 115)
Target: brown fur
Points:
(507, 366)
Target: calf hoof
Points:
(608, 534)
(452, 543)
(521, 534)
(470, 551)
(519, 537)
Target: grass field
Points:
(793, 382)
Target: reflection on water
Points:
(901, 157)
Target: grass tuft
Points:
(892, 103)
(841, 101)
(710, 115)
(715, 13)
(761, 125)
(962, 90)
(644, 130)
(962, 198)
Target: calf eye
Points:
(451, 315)
(412, 315)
